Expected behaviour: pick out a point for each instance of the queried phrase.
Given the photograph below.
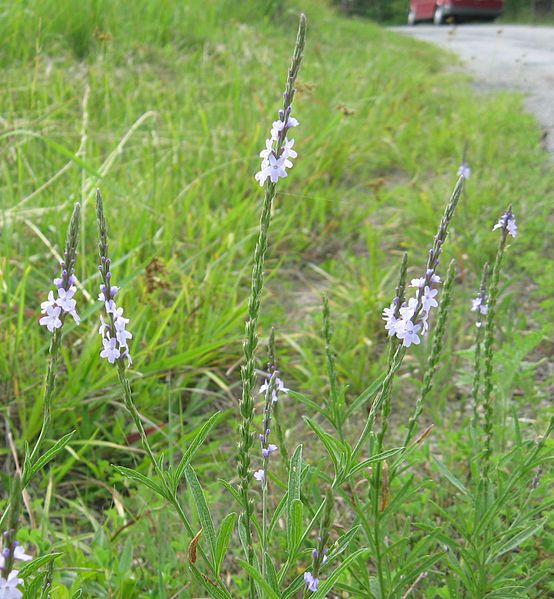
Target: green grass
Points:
(165, 106)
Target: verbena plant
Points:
(310, 530)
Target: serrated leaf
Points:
(307, 402)
(408, 577)
(202, 508)
(333, 446)
(271, 573)
(517, 540)
(32, 566)
(33, 589)
(344, 541)
(260, 580)
(293, 490)
(326, 585)
(450, 477)
(231, 490)
(366, 395)
(384, 455)
(295, 525)
(224, 536)
(47, 456)
(134, 475)
(215, 591)
(194, 446)
(125, 559)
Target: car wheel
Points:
(439, 19)
(411, 18)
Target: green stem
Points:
(50, 384)
(489, 354)
(436, 351)
(248, 372)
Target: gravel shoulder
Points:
(509, 57)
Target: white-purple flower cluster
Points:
(271, 388)
(410, 320)
(113, 331)
(464, 170)
(278, 150)
(278, 387)
(479, 305)
(54, 307)
(8, 585)
(507, 222)
(311, 581)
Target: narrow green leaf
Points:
(125, 559)
(202, 508)
(224, 536)
(408, 577)
(451, 478)
(49, 455)
(194, 446)
(317, 408)
(333, 446)
(215, 591)
(32, 589)
(271, 573)
(277, 514)
(294, 587)
(365, 395)
(134, 475)
(326, 585)
(293, 492)
(384, 455)
(269, 592)
(517, 540)
(32, 566)
(295, 525)
(343, 542)
(231, 490)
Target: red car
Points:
(440, 11)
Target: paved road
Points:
(504, 57)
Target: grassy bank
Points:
(165, 106)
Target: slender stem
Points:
(248, 372)
(436, 350)
(478, 341)
(50, 384)
(489, 353)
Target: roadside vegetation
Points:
(396, 11)
(165, 107)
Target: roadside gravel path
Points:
(511, 57)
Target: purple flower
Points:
(479, 305)
(266, 451)
(259, 475)
(272, 168)
(53, 307)
(110, 351)
(507, 222)
(278, 150)
(51, 321)
(311, 582)
(408, 333)
(8, 586)
(278, 388)
(428, 301)
(464, 170)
